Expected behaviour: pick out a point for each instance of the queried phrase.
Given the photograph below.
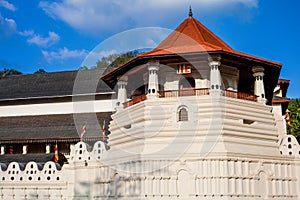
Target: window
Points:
(183, 114)
(186, 83)
(289, 139)
(247, 121)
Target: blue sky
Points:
(58, 35)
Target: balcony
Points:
(191, 92)
(135, 101)
(240, 95)
(184, 92)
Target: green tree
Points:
(83, 68)
(124, 58)
(9, 72)
(116, 60)
(40, 71)
(294, 108)
(106, 61)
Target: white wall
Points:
(58, 108)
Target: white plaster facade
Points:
(243, 174)
(221, 152)
(224, 147)
(58, 108)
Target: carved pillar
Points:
(259, 88)
(72, 147)
(215, 76)
(153, 67)
(48, 148)
(2, 150)
(122, 93)
(25, 147)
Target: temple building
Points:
(37, 111)
(191, 119)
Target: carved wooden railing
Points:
(240, 95)
(184, 92)
(191, 92)
(134, 101)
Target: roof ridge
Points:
(200, 39)
(217, 39)
(194, 22)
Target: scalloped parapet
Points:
(51, 171)
(32, 171)
(289, 146)
(82, 152)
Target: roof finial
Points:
(191, 12)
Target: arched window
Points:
(183, 114)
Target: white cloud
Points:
(7, 5)
(27, 33)
(7, 27)
(63, 54)
(96, 16)
(38, 40)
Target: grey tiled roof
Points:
(52, 128)
(23, 159)
(52, 84)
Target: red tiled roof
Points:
(280, 101)
(187, 37)
(283, 81)
(192, 36)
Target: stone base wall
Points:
(86, 177)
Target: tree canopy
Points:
(9, 72)
(116, 60)
(294, 108)
(40, 71)
(83, 68)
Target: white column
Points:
(72, 147)
(48, 148)
(259, 88)
(122, 93)
(215, 76)
(153, 67)
(2, 150)
(25, 149)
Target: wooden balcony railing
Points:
(184, 92)
(134, 101)
(240, 95)
(191, 92)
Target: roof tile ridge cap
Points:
(217, 38)
(176, 34)
(199, 34)
(205, 43)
